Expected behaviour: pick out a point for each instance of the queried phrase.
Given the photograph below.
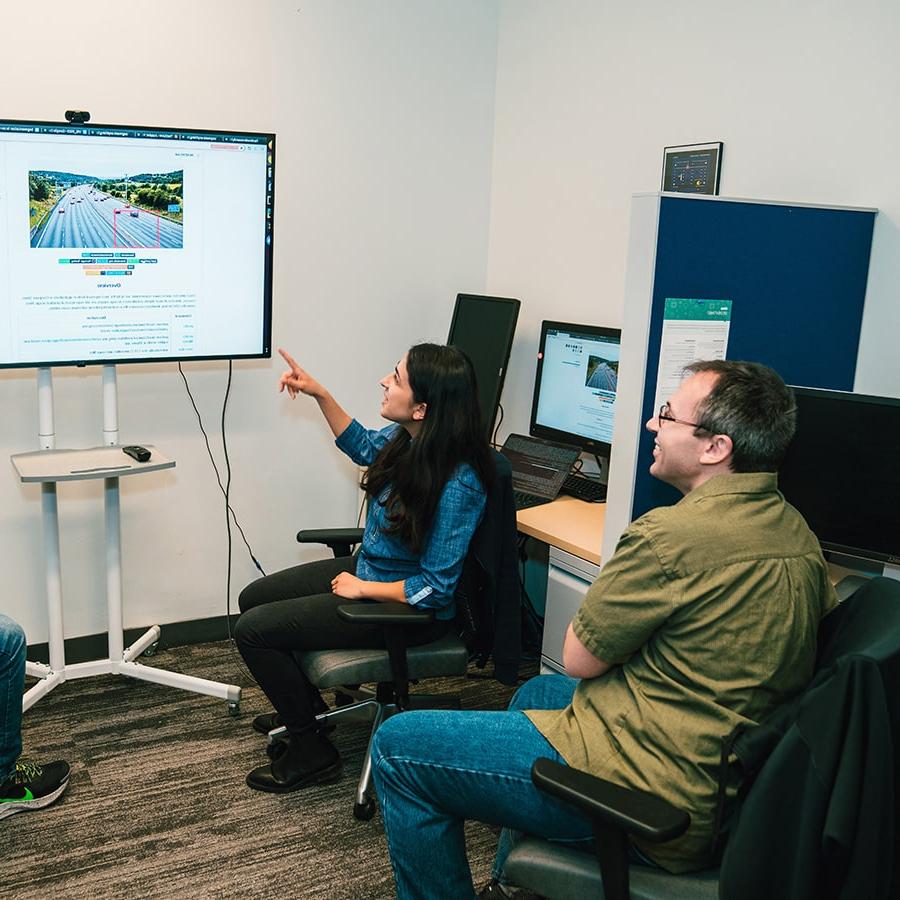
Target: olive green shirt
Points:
(708, 612)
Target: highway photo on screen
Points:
(602, 373)
(68, 210)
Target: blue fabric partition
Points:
(796, 276)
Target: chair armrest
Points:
(339, 540)
(644, 815)
(384, 614)
(395, 617)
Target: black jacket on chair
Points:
(831, 760)
(494, 546)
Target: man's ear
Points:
(718, 449)
(419, 411)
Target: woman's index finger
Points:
(288, 358)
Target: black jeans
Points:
(296, 610)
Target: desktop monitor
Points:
(126, 244)
(841, 472)
(575, 385)
(483, 328)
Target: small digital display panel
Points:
(575, 385)
(693, 169)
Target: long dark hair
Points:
(450, 434)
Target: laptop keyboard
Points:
(526, 501)
(537, 449)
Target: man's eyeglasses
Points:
(664, 415)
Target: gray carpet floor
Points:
(157, 806)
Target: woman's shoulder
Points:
(386, 433)
(378, 436)
(466, 479)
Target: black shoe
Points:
(32, 787)
(494, 890)
(270, 721)
(266, 722)
(308, 759)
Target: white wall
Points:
(384, 115)
(590, 91)
(424, 148)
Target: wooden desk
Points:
(575, 528)
(567, 523)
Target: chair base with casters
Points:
(335, 669)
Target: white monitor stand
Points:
(48, 466)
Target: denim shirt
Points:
(429, 579)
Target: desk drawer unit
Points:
(568, 578)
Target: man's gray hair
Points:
(752, 405)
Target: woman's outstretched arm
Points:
(299, 381)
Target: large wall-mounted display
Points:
(133, 244)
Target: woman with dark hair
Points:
(426, 483)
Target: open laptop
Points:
(539, 468)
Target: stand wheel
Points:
(234, 708)
(151, 650)
(364, 811)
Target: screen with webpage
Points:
(577, 380)
(133, 244)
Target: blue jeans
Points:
(436, 768)
(12, 679)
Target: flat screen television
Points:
(575, 385)
(483, 328)
(841, 472)
(125, 244)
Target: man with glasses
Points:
(705, 618)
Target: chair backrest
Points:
(488, 596)
(867, 622)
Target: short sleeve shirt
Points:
(709, 612)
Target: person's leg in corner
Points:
(23, 786)
(12, 680)
(434, 769)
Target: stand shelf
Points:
(49, 466)
(83, 465)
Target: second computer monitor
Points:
(483, 327)
(575, 385)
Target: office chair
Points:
(816, 816)
(392, 669)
